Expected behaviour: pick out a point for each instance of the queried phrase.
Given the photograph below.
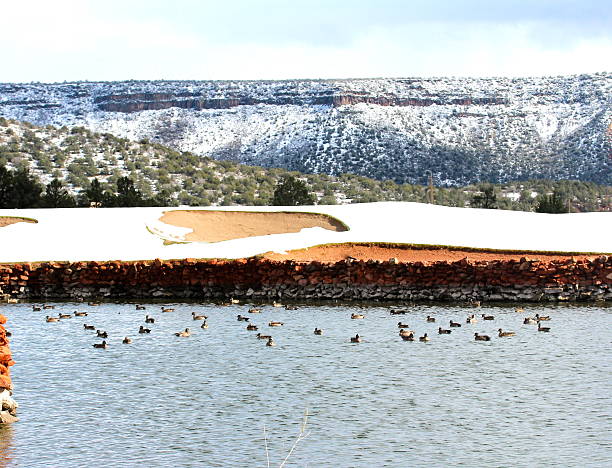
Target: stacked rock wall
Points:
(256, 278)
(8, 406)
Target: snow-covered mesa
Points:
(81, 234)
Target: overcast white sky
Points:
(66, 40)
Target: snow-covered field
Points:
(137, 234)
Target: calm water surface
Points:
(536, 399)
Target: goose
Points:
(488, 317)
(242, 318)
(101, 334)
(185, 333)
(355, 339)
(402, 325)
(198, 317)
(127, 340)
(140, 307)
(424, 338)
(501, 333)
(80, 314)
(204, 324)
(36, 308)
(64, 316)
(442, 331)
(478, 337)
(318, 331)
(543, 329)
(404, 332)
(102, 345)
(397, 312)
(541, 318)
(454, 324)
(471, 319)
(409, 337)
(430, 319)
(88, 327)
(254, 310)
(144, 330)
(529, 321)
(263, 337)
(275, 324)
(357, 316)
(270, 342)
(48, 307)
(52, 319)
(166, 309)
(291, 307)
(149, 319)
(251, 327)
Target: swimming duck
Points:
(454, 324)
(357, 316)
(397, 312)
(198, 317)
(275, 324)
(424, 338)
(478, 337)
(65, 316)
(140, 307)
(88, 327)
(529, 321)
(93, 304)
(543, 329)
(149, 319)
(36, 308)
(254, 310)
(251, 327)
(471, 319)
(52, 319)
(291, 307)
(48, 307)
(356, 339)
(501, 333)
(242, 318)
(270, 342)
(541, 318)
(442, 331)
(488, 317)
(144, 330)
(80, 314)
(402, 325)
(101, 334)
(276, 304)
(520, 310)
(430, 319)
(127, 340)
(404, 332)
(409, 337)
(166, 309)
(318, 331)
(102, 345)
(185, 333)
(234, 301)
(263, 337)
(204, 324)
(474, 303)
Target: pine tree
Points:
(292, 192)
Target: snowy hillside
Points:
(463, 130)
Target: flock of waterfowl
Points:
(405, 333)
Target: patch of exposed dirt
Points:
(8, 220)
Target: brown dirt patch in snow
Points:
(7, 220)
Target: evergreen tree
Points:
(56, 196)
(553, 203)
(487, 198)
(292, 192)
(127, 195)
(95, 193)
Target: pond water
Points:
(535, 399)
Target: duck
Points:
(520, 310)
(64, 316)
(234, 301)
(275, 324)
(102, 345)
(409, 337)
(48, 307)
(356, 339)
(478, 337)
(404, 332)
(529, 321)
(140, 307)
(471, 319)
(430, 319)
(166, 309)
(198, 317)
(263, 337)
(52, 319)
(144, 330)
(402, 325)
(442, 331)
(93, 304)
(318, 331)
(242, 318)
(251, 327)
(474, 303)
(185, 333)
(543, 329)
(276, 304)
(254, 310)
(36, 308)
(101, 334)
(501, 333)
(204, 324)
(424, 338)
(270, 342)
(80, 314)
(127, 340)
(291, 307)
(488, 317)
(88, 327)
(357, 316)
(454, 324)
(542, 318)
(397, 312)
(149, 319)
